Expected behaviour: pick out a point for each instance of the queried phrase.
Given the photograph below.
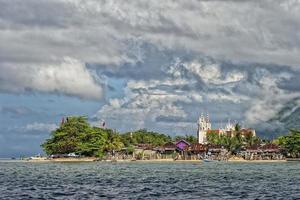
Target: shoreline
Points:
(257, 161)
(93, 159)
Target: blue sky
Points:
(145, 64)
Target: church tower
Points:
(203, 126)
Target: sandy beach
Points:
(94, 159)
(257, 161)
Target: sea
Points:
(146, 180)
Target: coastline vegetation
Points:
(235, 143)
(76, 135)
(291, 143)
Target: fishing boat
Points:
(207, 160)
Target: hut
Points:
(168, 151)
(169, 147)
(196, 151)
(144, 152)
(198, 148)
(263, 152)
(182, 144)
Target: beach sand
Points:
(255, 161)
(93, 159)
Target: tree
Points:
(112, 141)
(189, 138)
(76, 135)
(213, 138)
(144, 137)
(291, 143)
(237, 127)
(92, 143)
(66, 138)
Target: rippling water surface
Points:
(149, 180)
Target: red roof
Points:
(197, 148)
(218, 131)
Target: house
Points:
(247, 132)
(197, 148)
(169, 147)
(264, 152)
(182, 144)
(215, 149)
(144, 151)
(270, 148)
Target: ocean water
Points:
(149, 180)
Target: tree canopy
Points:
(291, 143)
(233, 143)
(144, 137)
(77, 136)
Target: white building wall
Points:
(203, 126)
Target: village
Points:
(229, 143)
(206, 148)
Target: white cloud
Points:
(143, 103)
(211, 73)
(69, 77)
(37, 36)
(39, 127)
(271, 99)
(97, 31)
(221, 97)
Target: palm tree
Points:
(113, 142)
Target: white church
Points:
(205, 128)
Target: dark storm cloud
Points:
(34, 13)
(292, 84)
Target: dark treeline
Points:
(76, 135)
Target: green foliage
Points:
(130, 149)
(144, 137)
(189, 138)
(213, 138)
(237, 127)
(76, 135)
(92, 142)
(291, 142)
(233, 143)
(66, 138)
(252, 140)
(113, 141)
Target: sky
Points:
(146, 64)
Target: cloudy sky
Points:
(146, 64)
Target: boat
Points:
(207, 160)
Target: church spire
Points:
(202, 117)
(207, 117)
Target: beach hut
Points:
(168, 150)
(182, 145)
(263, 152)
